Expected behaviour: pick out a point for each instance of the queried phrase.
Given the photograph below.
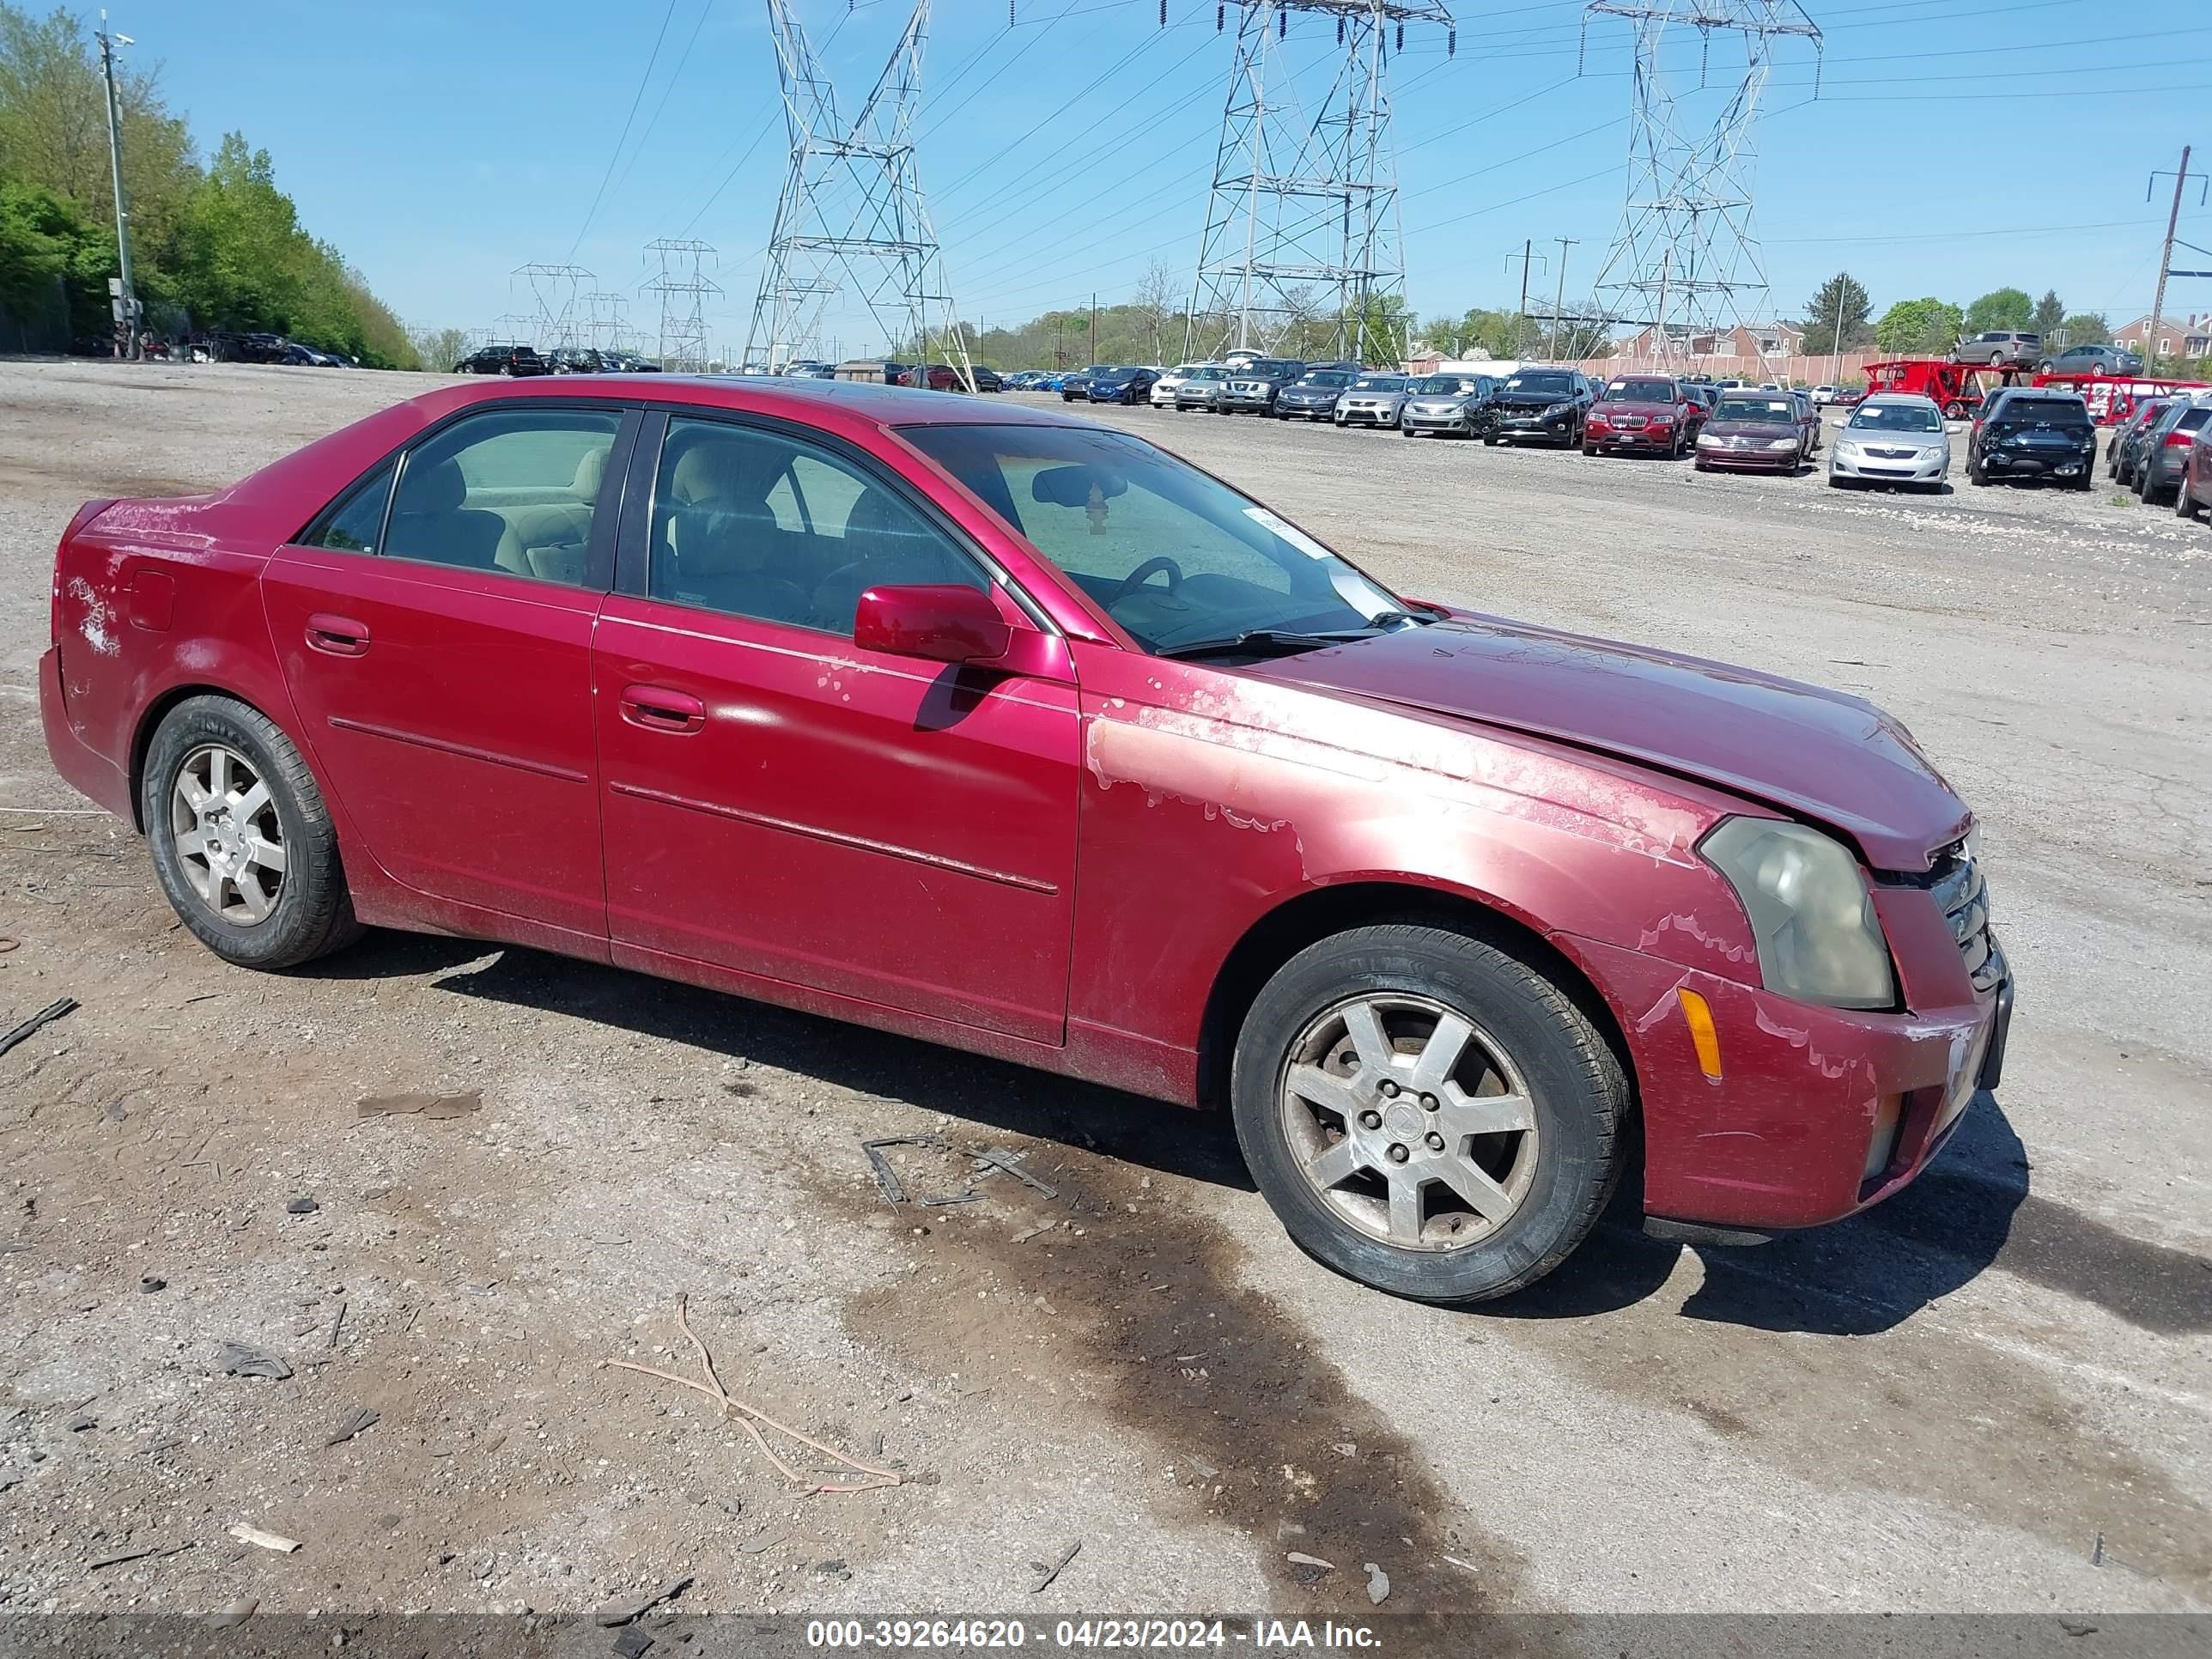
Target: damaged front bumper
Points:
(1816, 1113)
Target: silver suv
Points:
(1999, 349)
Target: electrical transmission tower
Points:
(683, 285)
(1304, 215)
(553, 295)
(851, 220)
(603, 317)
(1685, 263)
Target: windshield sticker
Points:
(1289, 532)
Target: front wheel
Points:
(1427, 1114)
(242, 843)
(2184, 504)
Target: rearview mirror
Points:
(936, 621)
(1070, 486)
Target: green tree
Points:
(439, 349)
(2049, 313)
(2087, 328)
(1928, 326)
(1838, 318)
(2004, 307)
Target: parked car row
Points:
(2156, 453)
(231, 346)
(516, 361)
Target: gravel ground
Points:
(1990, 1394)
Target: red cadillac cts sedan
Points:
(1004, 730)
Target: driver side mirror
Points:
(936, 621)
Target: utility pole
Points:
(1094, 325)
(1521, 316)
(1559, 299)
(2166, 261)
(1836, 346)
(126, 300)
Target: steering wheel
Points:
(1137, 578)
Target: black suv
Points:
(503, 359)
(575, 360)
(1547, 405)
(2026, 432)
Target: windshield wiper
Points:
(1262, 642)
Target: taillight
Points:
(2178, 439)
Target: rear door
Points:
(779, 801)
(435, 629)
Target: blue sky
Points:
(1956, 144)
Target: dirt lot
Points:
(1991, 1393)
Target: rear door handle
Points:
(336, 636)
(656, 708)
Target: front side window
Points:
(756, 522)
(1174, 556)
(511, 490)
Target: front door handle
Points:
(336, 636)
(656, 708)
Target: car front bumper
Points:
(1304, 408)
(1457, 420)
(1751, 460)
(1355, 416)
(1246, 403)
(1658, 442)
(1193, 400)
(1793, 1132)
(1927, 469)
(1557, 429)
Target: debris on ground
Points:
(45, 1016)
(235, 1614)
(631, 1644)
(246, 1533)
(1378, 1583)
(998, 1157)
(622, 1610)
(301, 1206)
(731, 1409)
(456, 1104)
(351, 1424)
(1309, 1569)
(149, 1285)
(80, 1423)
(245, 1359)
(149, 1553)
(1047, 1571)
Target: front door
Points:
(778, 801)
(435, 629)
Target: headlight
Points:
(1558, 409)
(1706, 439)
(1810, 911)
(1783, 443)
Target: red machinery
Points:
(1959, 388)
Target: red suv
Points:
(893, 710)
(1651, 413)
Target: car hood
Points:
(1826, 755)
(1777, 428)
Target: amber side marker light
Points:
(1700, 1020)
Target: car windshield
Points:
(1778, 410)
(1331, 378)
(1112, 373)
(1896, 417)
(1382, 383)
(1208, 373)
(1556, 384)
(1271, 369)
(1442, 385)
(1175, 558)
(1640, 392)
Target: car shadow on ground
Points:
(1973, 1208)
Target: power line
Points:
(636, 99)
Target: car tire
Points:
(213, 746)
(1975, 474)
(2184, 505)
(1589, 449)
(1996, 360)
(1490, 440)
(1520, 1038)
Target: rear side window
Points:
(353, 522)
(511, 490)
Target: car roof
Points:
(1897, 397)
(850, 406)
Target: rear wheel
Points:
(1955, 410)
(2184, 504)
(242, 842)
(1427, 1114)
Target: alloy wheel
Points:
(1409, 1121)
(228, 838)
